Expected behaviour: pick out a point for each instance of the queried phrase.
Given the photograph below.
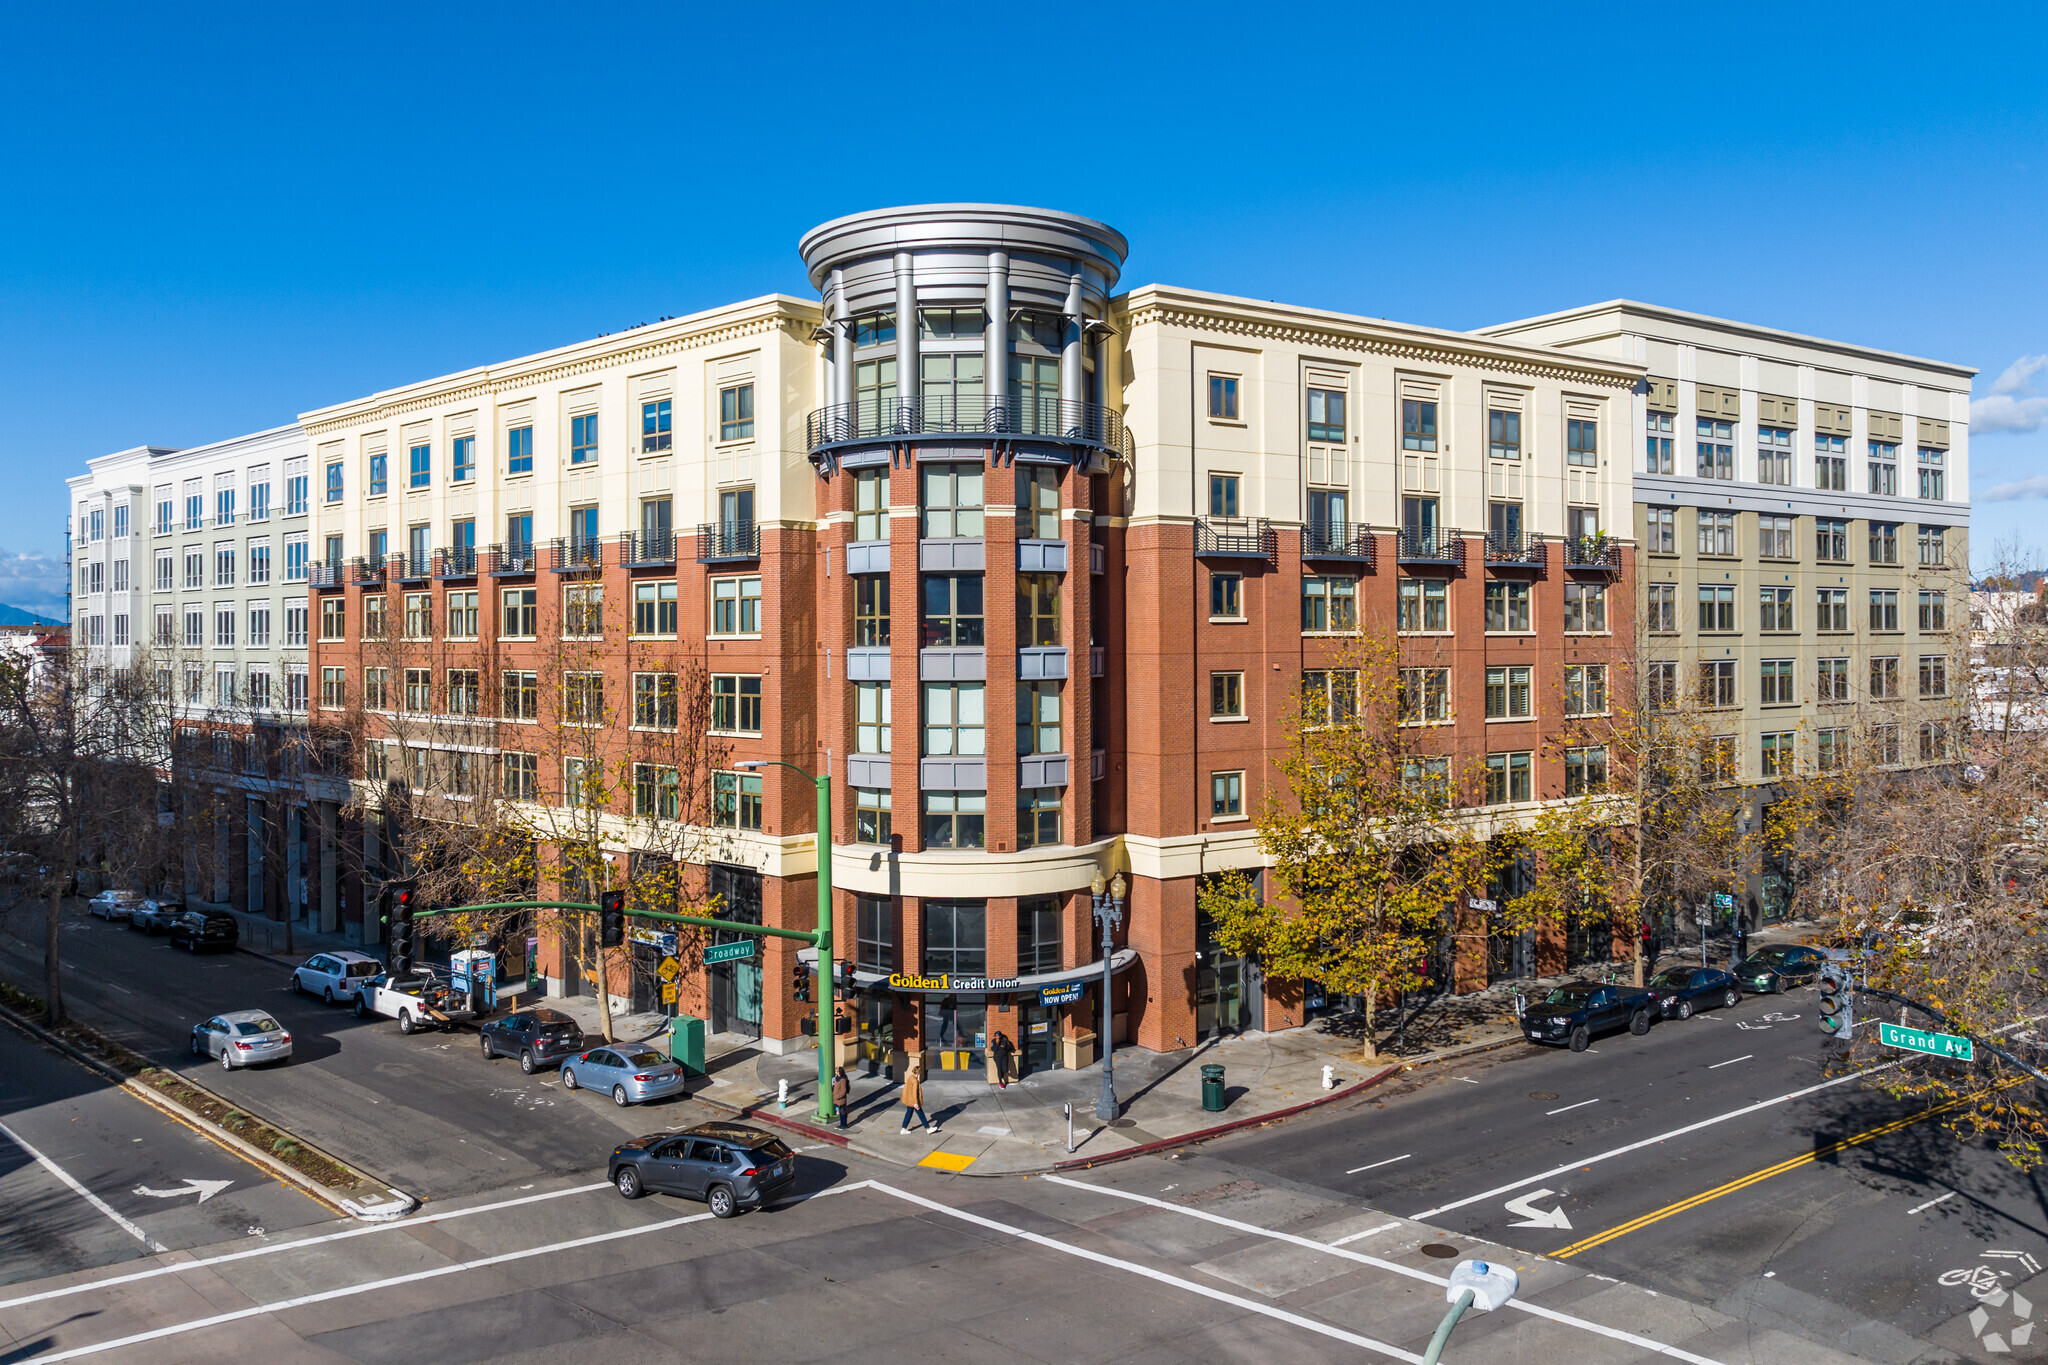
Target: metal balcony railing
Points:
(1596, 553)
(1250, 537)
(881, 419)
(1430, 545)
(1514, 549)
(641, 548)
(728, 540)
(457, 561)
(362, 570)
(407, 567)
(1337, 540)
(575, 556)
(511, 559)
(324, 575)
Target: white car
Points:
(113, 905)
(336, 976)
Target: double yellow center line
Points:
(1753, 1178)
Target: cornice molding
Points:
(482, 385)
(1422, 350)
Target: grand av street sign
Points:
(729, 952)
(1949, 1045)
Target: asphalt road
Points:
(1155, 1262)
(1702, 1160)
(109, 1149)
(425, 1112)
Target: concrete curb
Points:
(378, 1212)
(779, 1120)
(1203, 1134)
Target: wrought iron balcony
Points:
(1052, 419)
(1595, 554)
(1247, 537)
(1514, 550)
(575, 555)
(640, 549)
(457, 561)
(510, 560)
(722, 541)
(366, 570)
(1350, 540)
(1430, 545)
(324, 575)
(408, 568)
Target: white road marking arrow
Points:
(1534, 1217)
(205, 1189)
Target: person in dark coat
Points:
(1004, 1051)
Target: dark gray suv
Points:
(727, 1165)
(538, 1038)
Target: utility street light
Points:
(1473, 1284)
(828, 1036)
(1109, 912)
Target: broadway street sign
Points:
(729, 952)
(1949, 1045)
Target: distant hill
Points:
(15, 616)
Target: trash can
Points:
(1212, 1088)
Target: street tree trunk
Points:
(1372, 1001)
(53, 987)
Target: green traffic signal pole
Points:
(828, 1039)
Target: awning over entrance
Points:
(1050, 987)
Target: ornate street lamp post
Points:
(1109, 912)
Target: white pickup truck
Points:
(415, 1001)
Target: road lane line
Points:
(1921, 1208)
(1649, 1142)
(1731, 1061)
(1190, 1286)
(1580, 1105)
(82, 1192)
(1377, 1164)
(1754, 1177)
(1361, 1236)
(358, 1231)
(434, 1273)
(1335, 1249)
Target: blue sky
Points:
(217, 218)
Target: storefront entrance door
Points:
(1219, 985)
(1039, 1047)
(736, 986)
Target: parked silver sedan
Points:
(632, 1074)
(242, 1038)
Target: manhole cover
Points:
(1542, 1094)
(1123, 1123)
(1439, 1250)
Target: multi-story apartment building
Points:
(1802, 510)
(976, 483)
(193, 564)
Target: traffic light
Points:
(400, 901)
(611, 919)
(1837, 1001)
(800, 983)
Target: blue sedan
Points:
(632, 1075)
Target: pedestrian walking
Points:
(1003, 1050)
(913, 1099)
(842, 1091)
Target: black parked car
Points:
(195, 930)
(1681, 990)
(727, 1165)
(538, 1038)
(1572, 1013)
(1780, 967)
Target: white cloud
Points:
(33, 582)
(2012, 404)
(2019, 490)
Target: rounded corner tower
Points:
(964, 320)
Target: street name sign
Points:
(1949, 1045)
(729, 952)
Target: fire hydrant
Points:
(1329, 1078)
(782, 1092)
